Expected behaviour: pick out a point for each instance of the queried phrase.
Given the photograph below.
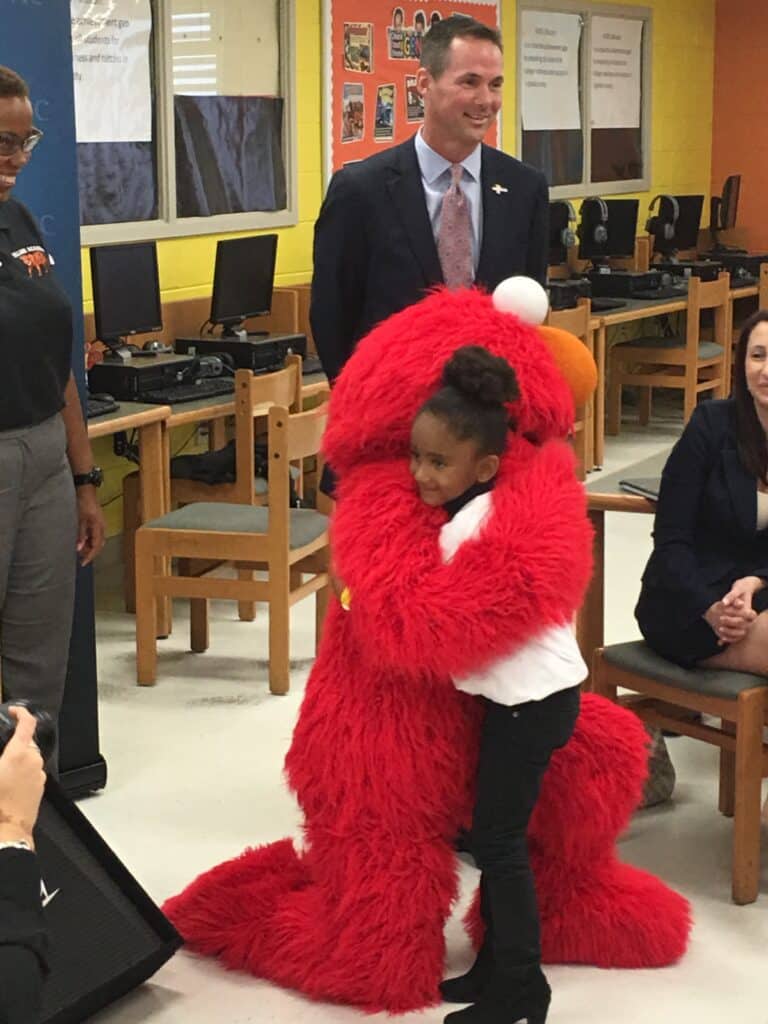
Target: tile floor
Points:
(195, 776)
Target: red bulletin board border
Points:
(372, 54)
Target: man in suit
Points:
(378, 233)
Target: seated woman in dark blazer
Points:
(704, 597)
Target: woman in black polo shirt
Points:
(48, 503)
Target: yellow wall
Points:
(683, 62)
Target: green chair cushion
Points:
(638, 657)
(306, 524)
(707, 349)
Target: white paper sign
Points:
(550, 70)
(615, 86)
(110, 46)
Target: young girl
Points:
(531, 696)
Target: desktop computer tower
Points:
(128, 381)
(705, 270)
(257, 352)
(622, 284)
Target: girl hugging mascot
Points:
(442, 692)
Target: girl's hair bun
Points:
(480, 376)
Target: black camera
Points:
(45, 731)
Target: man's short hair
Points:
(436, 44)
(12, 85)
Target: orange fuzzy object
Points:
(574, 360)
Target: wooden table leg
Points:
(155, 492)
(600, 343)
(591, 617)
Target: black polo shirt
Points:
(35, 324)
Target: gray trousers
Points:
(38, 535)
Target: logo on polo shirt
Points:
(34, 258)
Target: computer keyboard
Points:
(100, 406)
(663, 292)
(603, 303)
(206, 387)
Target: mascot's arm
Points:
(526, 570)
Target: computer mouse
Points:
(101, 396)
(155, 345)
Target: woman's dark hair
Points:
(471, 401)
(750, 434)
(12, 85)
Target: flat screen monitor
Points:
(126, 290)
(729, 202)
(620, 229)
(558, 229)
(686, 226)
(243, 279)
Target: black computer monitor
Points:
(685, 227)
(618, 220)
(243, 279)
(126, 291)
(723, 209)
(559, 228)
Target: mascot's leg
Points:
(356, 920)
(594, 909)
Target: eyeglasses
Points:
(11, 143)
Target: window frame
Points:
(168, 224)
(587, 9)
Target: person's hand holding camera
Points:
(22, 781)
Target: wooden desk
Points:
(605, 495)
(149, 421)
(154, 479)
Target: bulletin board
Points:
(372, 54)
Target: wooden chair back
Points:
(713, 295)
(577, 321)
(292, 437)
(255, 394)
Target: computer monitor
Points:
(723, 209)
(559, 232)
(243, 280)
(126, 291)
(608, 227)
(685, 227)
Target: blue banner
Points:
(35, 40)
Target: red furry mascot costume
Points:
(384, 752)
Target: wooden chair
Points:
(686, 363)
(660, 689)
(577, 321)
(287, 543)
(283, 387)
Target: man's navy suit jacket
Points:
(375, 253)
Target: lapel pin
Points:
(498, 189)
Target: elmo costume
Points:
(384, 752)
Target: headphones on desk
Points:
(568, 235)
(661, 227)
(600, 230)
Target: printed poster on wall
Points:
(549, 48)
(370, 71)
(616, 62)
(110, 52)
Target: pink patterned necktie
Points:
(454, 243)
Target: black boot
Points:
(506, 1000)
(467, 988)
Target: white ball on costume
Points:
(524, 297)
